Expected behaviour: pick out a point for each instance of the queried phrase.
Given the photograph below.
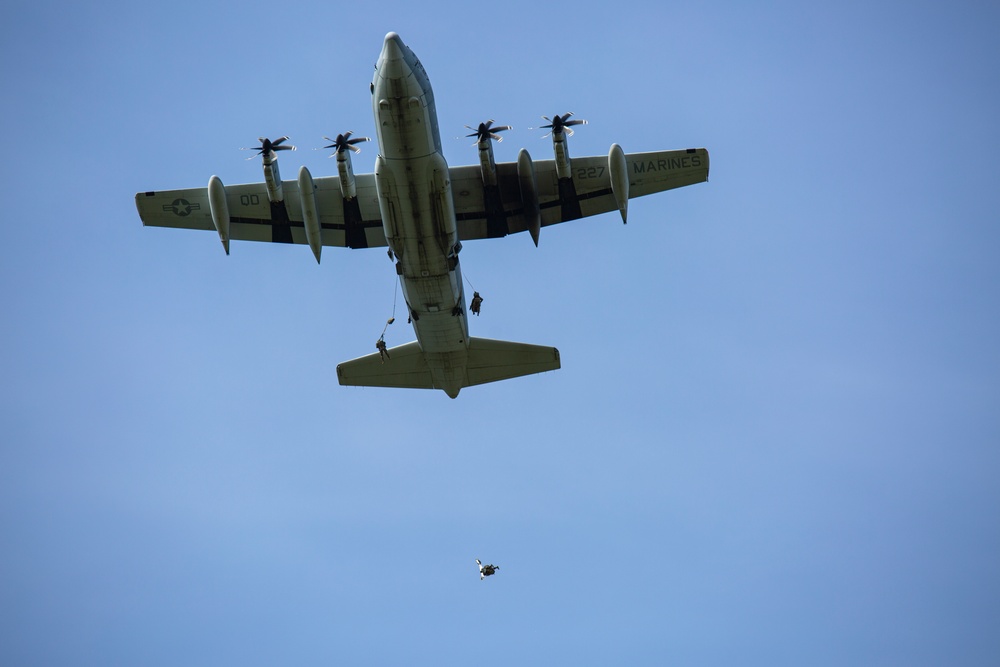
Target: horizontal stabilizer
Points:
(404, 367)
(485, 360)
(492, 360)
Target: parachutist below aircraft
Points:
(422, 210)
(486, 570)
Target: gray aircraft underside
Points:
(422, 210)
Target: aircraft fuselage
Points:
(418, 214)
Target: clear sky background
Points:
(775, 438)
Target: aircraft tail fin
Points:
(485, 360)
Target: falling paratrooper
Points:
(486, 570)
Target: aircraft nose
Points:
(393, 48)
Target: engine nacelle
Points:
(561, 150)
(560, 126)
(272, 178)
(345, 170)
(487, 164)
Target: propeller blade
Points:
(561, 124)
(268, 145)
(486, 131)
(344, 142)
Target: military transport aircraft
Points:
(422, 210)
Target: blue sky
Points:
(775, 436)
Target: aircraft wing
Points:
(589, 192)
(354, 223)
(357, 223)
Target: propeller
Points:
(268, 146)
(486, 131)
(561, 123)
(344, 142)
